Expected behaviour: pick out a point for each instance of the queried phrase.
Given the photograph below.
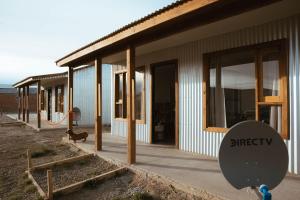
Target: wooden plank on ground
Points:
(100, 178)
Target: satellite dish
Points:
(251, 154)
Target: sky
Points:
(35, 33)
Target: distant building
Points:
(8, 98)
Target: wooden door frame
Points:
(157, 64)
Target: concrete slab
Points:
(193, 170)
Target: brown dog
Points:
(73, 136)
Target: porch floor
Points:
(45, 125)
(193, 170)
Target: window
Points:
(120, 95)
(140, 94)
(247, 83)
(43, 103)
(59, 98)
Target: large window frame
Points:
(143, 105)
(120, 100)
(280, 100)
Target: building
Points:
(50, 92)
(186, 73)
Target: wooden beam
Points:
(23, 103)
(27, 103)
(19, 103)
(130, 58)
(38, 104)
(70, 98)
(98, 104)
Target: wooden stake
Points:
(50, 184)
(29, 162)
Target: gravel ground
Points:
(14, 141)
(130, 187)
(70, 173)
(46, 146)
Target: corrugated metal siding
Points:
(192, 138)
(84, 94)
(106, 94)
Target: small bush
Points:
(142, 196)
(15, 197)
(91, 184)
(28, 181)
(30, 188)
(41, 151)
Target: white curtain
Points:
(220, 111)
(273, 76)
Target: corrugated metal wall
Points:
(84, 94)
(192, 138)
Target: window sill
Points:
(136, 121)
(216, 129)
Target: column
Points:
(70, 98)
(130, 58)
(38, 104)
(27, 103)
(98, 104)
(23, 103)
(19, 103)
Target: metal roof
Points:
(33, 79)
(155, 13)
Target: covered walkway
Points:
(190, 171)
(45, 125)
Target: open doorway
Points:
(165, 103)
(49, 108)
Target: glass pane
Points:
(120, 86)
(139, 86)
(271, 115)
(119, 113)
(270, 65)
(232, 89)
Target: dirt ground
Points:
(70, 173)
(46, 146)
(14, 141)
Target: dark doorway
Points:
(164, 102)
(49, 100)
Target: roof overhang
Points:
(33, 79)
(178, 17)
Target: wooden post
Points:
(50, 184)
(98, 104)
(38, 104)
(29, 162)
(27, 103)
(23, 104)
(19, 103)
(130, 58)
(70, 98)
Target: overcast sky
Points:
(35, 33)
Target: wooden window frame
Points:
(143, 109)
(281, 100)
(124, 93)
(59, 103)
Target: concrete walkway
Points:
(193, 170)
(45, 125)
